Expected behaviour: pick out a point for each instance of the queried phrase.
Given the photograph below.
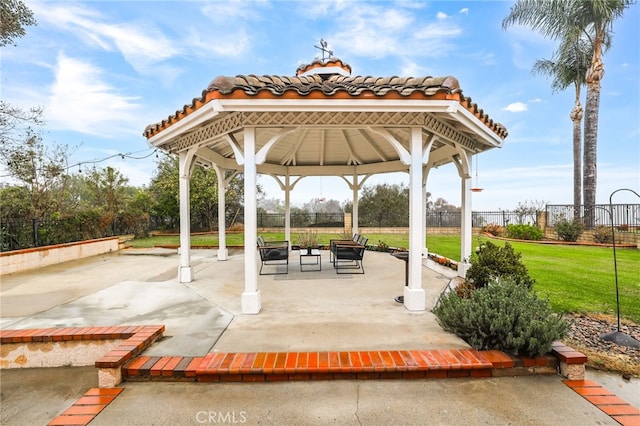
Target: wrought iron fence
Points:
(16, 235)
(21, 234)
(625, 216)
(301, 220)
(444, 219)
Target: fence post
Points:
(34, 230)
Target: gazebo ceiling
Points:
(325, 122)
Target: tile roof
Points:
(319, 63)
(327, 86)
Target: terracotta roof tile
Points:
(319, 86)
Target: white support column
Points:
(466, 226)
(185, 274)
(354, 212)
(355, 185)
(223, 253)
(426, 153)
(425, 250)
(414, 294)
(250, 302)
(287, 209)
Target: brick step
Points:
(331, 365)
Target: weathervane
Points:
(323, 47)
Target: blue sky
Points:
(103, 70)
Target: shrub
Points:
(493, 229)
(602, 234)
(524, 232)
(569, 230)
(503, 316)
(382, 246)
(493, 261)
(464, 289)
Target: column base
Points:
(463, 268)
(223, 254)
(185, 274)
(251, 302)
(415, 299)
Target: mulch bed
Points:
(584, 335)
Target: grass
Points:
(581, 279)
(576, 279)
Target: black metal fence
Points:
(15, 235)
(625, 216)
(301, 220)
(21, 234)
(445, 219)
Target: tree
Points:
(568, 67)
(165, 195)
(14, 16)
(14, 203)
(318, 205)
(41, 170)
(529, 210)
(441, 205)
(595, 18)
(567, 21)
(109, 190)
(384, 205)
(164, 191)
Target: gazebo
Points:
(326, 122)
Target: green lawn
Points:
(574, 278)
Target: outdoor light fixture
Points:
(477, 187)
(618, 337)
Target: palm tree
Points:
(565, 20)
(566, 68)
(595, 18)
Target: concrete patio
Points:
(301, 310)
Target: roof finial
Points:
(323, 47)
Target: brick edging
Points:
(138, 338)
(618, 409)
(85, 409)
(335, 365)
(294, 365)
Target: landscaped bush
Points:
(493, 229)
(602, 234)
(569, 230)
(505, 316)
(524, 232)
(492, 262)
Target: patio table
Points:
(313, 253)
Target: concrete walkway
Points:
(300, 311)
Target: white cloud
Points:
(515, 107)
(411, 68)
(483, 57)
(441, 16)
(372, 31)
(535, 100)
(227, 44)
(80, 100)
(438, 31)
(375, 31)
(140, 43)
(464, 11)
(224, 11)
